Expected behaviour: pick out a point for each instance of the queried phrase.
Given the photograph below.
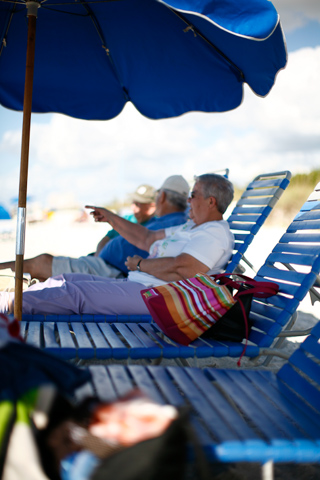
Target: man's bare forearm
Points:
(163, 268)
(169, 269)
(135, 233)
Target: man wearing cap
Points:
(109, 261)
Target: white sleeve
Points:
(207, 245)
(169, 230)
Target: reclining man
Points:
(203, 244)
(171, 204)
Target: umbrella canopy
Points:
(167, 58)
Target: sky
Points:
(75, 162)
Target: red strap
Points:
(247, 331)
(255, 288)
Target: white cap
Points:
(176, 183)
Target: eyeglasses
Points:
(195, 194)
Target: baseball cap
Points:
(143, 194)
(176, 183)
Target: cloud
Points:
(101, 161)
(296, 13)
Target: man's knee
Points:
(40, 266)
(45, 257)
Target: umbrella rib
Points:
(4, 41)
(99, 32)
(104, 46)
(196, 32)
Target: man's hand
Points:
(136, 234)
(99, 214)
(132, 262)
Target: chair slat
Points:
(254, 200)
(248, 217)
(308, 215)
(243, 226)
(137, 349)
(250, 210)
(49, 335)
(121, 379)
(305, 225)
(271, 182)
(296, 248)
(285, 275)
(145, 383)
(85, 348)
(300, 238)
(101, 346)
(119, 349)
(294, 258)
(34, 334)
(260, 192)
(103, 385)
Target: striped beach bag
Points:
(186, 309)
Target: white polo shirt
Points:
(211, 243)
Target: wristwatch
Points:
(138, 265)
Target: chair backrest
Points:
(294, 264)
(252, 210)
(223, 171)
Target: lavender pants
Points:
(81, 293)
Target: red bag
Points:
(185, 309)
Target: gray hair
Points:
(176, 199)
(217, 186)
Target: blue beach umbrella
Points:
(91, 57)
(4, 214)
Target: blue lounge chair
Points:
(224, 172)
(246, 219)
(298, 248)
(239, 415)
(252, 210)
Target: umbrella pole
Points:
(22, 202)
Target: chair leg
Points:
(280, 340)
(245, 260)
(182, 362)
(267, 471)
(314, 295)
